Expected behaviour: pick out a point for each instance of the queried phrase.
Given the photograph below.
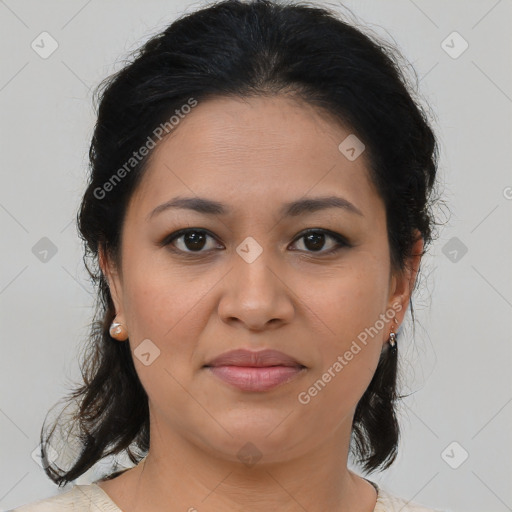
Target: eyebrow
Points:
(291, 209)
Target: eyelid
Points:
(180, 232)
(340, 240)
(327, 232)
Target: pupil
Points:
(194, 240)
(317, 239)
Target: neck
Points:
(179, 474)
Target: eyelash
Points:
(340, 241)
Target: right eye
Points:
(188, 241)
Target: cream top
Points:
(91, 497)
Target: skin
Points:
(253, 155)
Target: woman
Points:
(258, 206)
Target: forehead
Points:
(253, 152)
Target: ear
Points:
(112, 275)
(402, 284)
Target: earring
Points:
(392, 342)
(118, 331)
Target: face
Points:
(252, 277)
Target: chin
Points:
(258, 434)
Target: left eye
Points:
(194, 240)
(314, 240)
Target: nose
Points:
(256, 295)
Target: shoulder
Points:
(387, 502)
(80, 498)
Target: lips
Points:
(248, 358)
(255, 371)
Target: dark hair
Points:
(242, 49)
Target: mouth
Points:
(255, 371)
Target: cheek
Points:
(163, 309)
(345, 303)
(168, 307)
(348, 358)
(347, 309)
(156, 306)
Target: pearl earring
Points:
(118, 331)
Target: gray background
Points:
(458, 365)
